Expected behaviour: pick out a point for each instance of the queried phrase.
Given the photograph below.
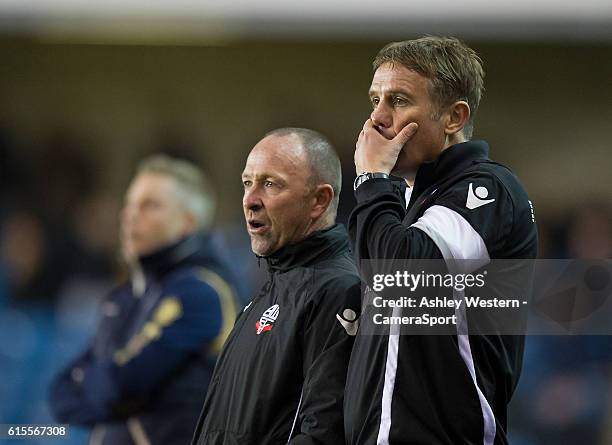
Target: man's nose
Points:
(381, 116)
(252, 199)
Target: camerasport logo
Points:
(266, 322)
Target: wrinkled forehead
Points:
(279, 155)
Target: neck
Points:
(450, 140)
(318, 224)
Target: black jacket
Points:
(443, 389)
(144, 377)
(280, 377)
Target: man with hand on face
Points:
(443, 389)
(280, 377)
(143, 379)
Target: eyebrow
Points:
(391, 93)
(262, 176)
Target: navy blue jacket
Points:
(145, 375)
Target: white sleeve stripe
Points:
(297, 414)
(465, 351)
(454, 236)
(457, 240)
(384, 427)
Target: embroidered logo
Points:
(477, 198)
(349, 321)
(266, 322)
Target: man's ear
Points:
(458, 115)
(322, 197)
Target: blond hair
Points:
(193, 187)
(454, 70)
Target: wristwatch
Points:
(365, 176)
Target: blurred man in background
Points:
(280, 377)
(144, 377)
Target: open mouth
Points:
(256, 226)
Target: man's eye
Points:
(247, 183)
(268, 183)
(375, 101)
(398, 100)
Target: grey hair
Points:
(194, 189)
(323, 162)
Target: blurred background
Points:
(86, 90)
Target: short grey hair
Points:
(194, 189)
(323, 162)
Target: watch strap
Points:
(366, 176)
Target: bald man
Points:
(280, 377)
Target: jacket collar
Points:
(196, 249)
(450, 162)
(317, 246)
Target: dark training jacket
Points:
(438, 389)
(280, 377)
(144, 377)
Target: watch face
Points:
(359, 180)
